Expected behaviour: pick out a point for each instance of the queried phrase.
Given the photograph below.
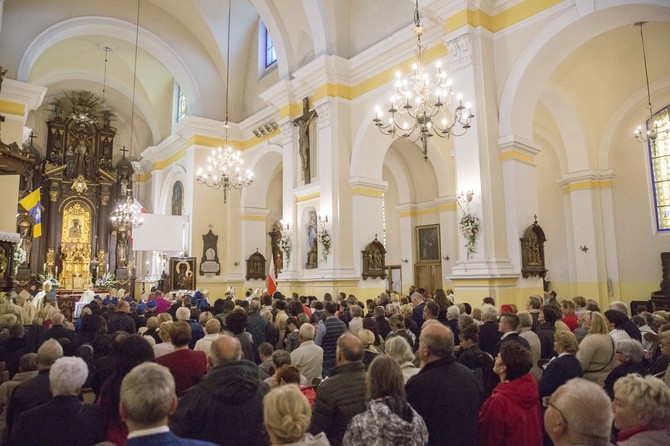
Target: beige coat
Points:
(535, 351)
(596, 355)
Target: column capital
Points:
(368, 186)
(258, 214)
(459, 52)
(513, 147)
(586, 179)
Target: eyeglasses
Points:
(546, 402)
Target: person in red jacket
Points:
(512, 416)
(187, 366)
(569, 317)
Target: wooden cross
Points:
(210, 227)
(124, 150)
(32, 136)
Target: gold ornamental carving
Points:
(76, 248)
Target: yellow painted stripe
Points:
(251, 142)
(367, 192)
(493, 281)
(332, 90)
(321, 284)
(519, 156)
(290, 110)
(254, 217)
(308, 197)
(418, 212)
(510, 16)
(143, 177)
(604, 184)
(159, 165)
(448, 207)
(12, 108)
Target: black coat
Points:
(514, 337)
(27, 395)
(338, 400)
(619, 372)
(64, 420)
(489, 336)
(226, 407)
(446, 395)
(558, 372)
(545, 331)
(384, 326)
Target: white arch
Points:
(268, 13)
(400, 174)
(177, 173)
(570, 127)
(263, 165)
(553, 44)
(119, 29)
(314, 11)
(617, 117)
(140, 100)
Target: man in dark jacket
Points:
(444, 392)
(121, 319)
(327, 334)
(226, 407)
(256, 326)
(342, 396)
(489, 336)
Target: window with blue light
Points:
(659, 153)
(181, 104)
(270, 54)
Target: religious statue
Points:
(177, 198)
(312, 259)
(122, 249)
(102, 263)
(26, 239)
(303, 123)
(69, 163)
(50, 262)
(82, 158)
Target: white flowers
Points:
(469, 223)
(107, 280)
(324, 239)
(285, 245)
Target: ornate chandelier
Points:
(127, 214)
(420, 105)
(652, 126)
(225, 167)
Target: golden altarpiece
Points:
(79, 187)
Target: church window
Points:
(269, 55)
(181, 104)
(659, 153)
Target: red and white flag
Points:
(272, 279)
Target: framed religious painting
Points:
(182, 273)
(428, 243)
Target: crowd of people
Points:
(296, 370)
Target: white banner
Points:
(160, 233)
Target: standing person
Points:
(308, 358)
(187, 366)
(65, 420)
(563, 368)
(489, 336)
(231, 391)
(327, 334)
(147, 399)
(389, 419)
(597, 353)
(526, 332)
(342, 396)
(641, 411)
(287, 416)
(444, 392)
(512, 415)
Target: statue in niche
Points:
(69, 163)
(83, 158)
(303, 123)
(122, 249)
(25, 231)
(177, 198)
(312, 257)
(51, 262)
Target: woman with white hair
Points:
(629, 354)
(641, 411)
(399, 349)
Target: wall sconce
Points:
(236, 263)
(584, 248)
(405, 260)
(323, 220)
(284, 226)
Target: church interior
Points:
(345, 179)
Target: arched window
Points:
(180, 105)
(267, 56)
(659, 152)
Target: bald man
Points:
(578, 412)
(226, 407)
(444, 392)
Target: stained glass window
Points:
(659, 152)
(181, 104)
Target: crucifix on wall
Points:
(303, 122)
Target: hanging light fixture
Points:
(652, 126)
(225, 167)
(420, 105)
(127, 214)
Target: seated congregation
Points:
(396, 370)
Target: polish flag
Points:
(272, 279)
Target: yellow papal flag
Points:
(32, 204)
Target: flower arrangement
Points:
(469, 223)
(19, 255)
(324, 239)
(107, 281)
(285, 244)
